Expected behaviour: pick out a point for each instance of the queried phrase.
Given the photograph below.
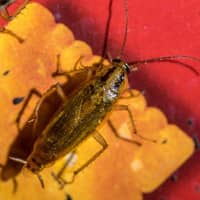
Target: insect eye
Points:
(126, 66)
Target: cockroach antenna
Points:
(18, 160)
(125, 30)
(107, 30)
(133, 64)
(159, 59)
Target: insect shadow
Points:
(23, 144)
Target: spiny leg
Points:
(60, 72)
(11, 33)
(99, 138)
(30, 94)
(19, 9)
(126, 108)
(5, 15)
(58, 176)
(79, 66)
(40, 179)
(119, 136)
(15, 185)
(77, 63)
(83, 67)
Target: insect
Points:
(81, 114)
(4, 4)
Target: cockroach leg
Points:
(61, 73)
(58, 176)
(99, 138)
(19, 9)
(119, 136)
(58, 71)
(15, 185)
(126, 108)
(82, 67)
(67, 163)
(18, 160)
(40, 179)
(9, 32)
(32, 92)
(77, 63)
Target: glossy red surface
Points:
(156, 28)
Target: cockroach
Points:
(4, 4)
(79, 116)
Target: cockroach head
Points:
(124, 65)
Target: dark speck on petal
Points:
(17, 100)
(6, 72)
(196, 142)
(174, 177)
(190, 121)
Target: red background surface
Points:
(156, 28)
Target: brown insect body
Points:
(79, 116)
